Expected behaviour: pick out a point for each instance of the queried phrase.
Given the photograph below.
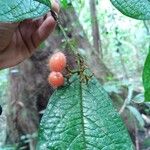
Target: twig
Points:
(127, 100)
(55, 16)
(136, 136)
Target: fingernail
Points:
(55, 6)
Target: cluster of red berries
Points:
(56, 64)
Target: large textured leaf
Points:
(81, 116)
(17, 10)
(146, 78)
(138, 9)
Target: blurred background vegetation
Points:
(123, 45)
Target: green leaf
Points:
(137, 115)
(138, 98)
(18, 10)
(64, 3)
(81, 116)
(146, 78)
(138, 9)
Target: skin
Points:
(18, 41)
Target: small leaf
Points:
(111, 87)
(138, 9)
(18, 10)
(137, 115)
(138, 98)
(146, 78)
(81, 116)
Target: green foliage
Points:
(8, 147)
(130, 32)
(137, 116)
(81, 116)
(138, 9)
(138, 98)
(17, 10)
(64, 3)
(146, 78)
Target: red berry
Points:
(56, 79)
(57, 62)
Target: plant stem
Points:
(66, 38)
(128, 99)
(63, 31)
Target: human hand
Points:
(18, 41)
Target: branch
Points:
(127, 100)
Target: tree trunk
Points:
(95, 29)
(29, 89)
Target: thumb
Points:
(6, 33)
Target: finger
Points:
(26, 29)
(6, 33)
(43, 31)
(55, 6)
(39, 21)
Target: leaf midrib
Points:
(82, 114)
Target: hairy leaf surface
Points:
(17, 10)
(138, 9)
(81, 116)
